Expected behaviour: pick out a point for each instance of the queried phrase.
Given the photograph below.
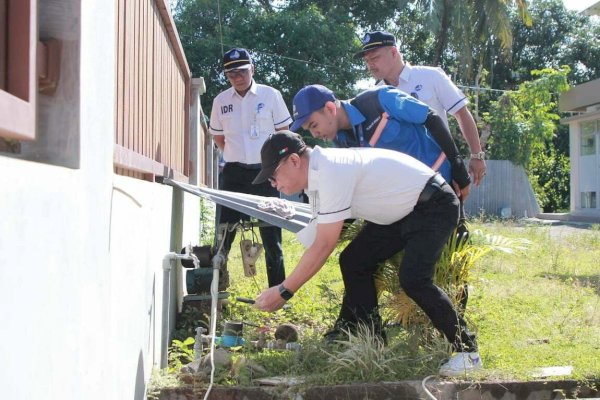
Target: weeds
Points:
(160, 379)
(207, 222)
(452, 274)
(181, 353)
(530, 307)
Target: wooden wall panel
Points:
(152, 86)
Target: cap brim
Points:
(361, 53)
(297, 124)
(243, 66)
(264, 174)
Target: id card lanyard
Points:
(359, 132)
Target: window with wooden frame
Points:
(18, 70)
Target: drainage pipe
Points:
(217, 262)
(166, 306)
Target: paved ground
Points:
(560, 229)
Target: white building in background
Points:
(584, 141)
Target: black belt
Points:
(245, 166)
(433, 185)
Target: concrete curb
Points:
(404, 390)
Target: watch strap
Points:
(285, 293)
(478, 156)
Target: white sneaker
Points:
(461, 364)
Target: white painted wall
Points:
(585, 170)
(81, 250)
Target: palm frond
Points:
(452, 272)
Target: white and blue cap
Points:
(308, 100)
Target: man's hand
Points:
(463, 193)
(477, 169)
(269, 300)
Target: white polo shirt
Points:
(433, 87)
(246, 122)
(377, 185)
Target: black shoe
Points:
(335, 336)
(381, 335)
(340, 332)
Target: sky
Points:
(578, 5)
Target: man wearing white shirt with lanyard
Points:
(405, 205)
(242, 118)
(431, 85)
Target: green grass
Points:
(541, 308)
(534, 309)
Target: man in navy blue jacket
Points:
(384, 117)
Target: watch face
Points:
(284, 293)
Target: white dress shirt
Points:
(246, 122)
(433, 87)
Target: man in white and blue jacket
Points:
(383, 117)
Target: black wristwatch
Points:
(284, 293)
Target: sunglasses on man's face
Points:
(234, 73)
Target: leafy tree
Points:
(366, 13)
(549, 173)
(291, 47)
(523, 121)
(467, 28)
(523, 127)
(556, 37)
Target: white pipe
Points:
(217, 263)
(167, 266)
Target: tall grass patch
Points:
(535, 308)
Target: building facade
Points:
(583, 101)
(96, 103)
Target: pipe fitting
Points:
(174, 256)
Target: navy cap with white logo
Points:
(237, 58)
(375, 40)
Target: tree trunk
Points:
(442, 37)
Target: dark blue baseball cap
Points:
(308, 100)
(374, 40)
(237, 58)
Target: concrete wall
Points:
(82, 286)
(505, 190)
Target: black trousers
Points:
(422, 235)
(237, 177)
